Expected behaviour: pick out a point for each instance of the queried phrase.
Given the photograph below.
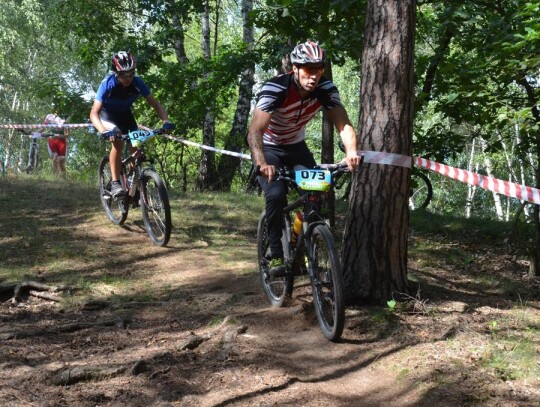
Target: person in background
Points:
(56, 144)
(276, 135)
(111, 112)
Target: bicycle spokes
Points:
(155, 208)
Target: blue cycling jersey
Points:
(117, 98)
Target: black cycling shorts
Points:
(125, 121)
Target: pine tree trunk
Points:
(375, 238)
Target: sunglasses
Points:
(126, 74)
(313, 70)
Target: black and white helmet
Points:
(308, 53)
(123, 61)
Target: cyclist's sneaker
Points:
(277, 268)
(116, 189)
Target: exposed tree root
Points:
(32, 288)
(86, 373)
(227, 331)
(66, 328)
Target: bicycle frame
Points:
(313, 253)
(154, 201)
(132, 167)
(309, 202)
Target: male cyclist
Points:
(111, 112)
(276, 135)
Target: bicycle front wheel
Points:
(155, 207)
(32, 159)
(116, 210)
(326, 283)
(277, 289)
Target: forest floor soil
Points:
(189, 325)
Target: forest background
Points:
(475, 83)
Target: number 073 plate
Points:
(313, 180)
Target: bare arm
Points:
(94, 116)
(258, 126)
(348, 135)
(160, 111)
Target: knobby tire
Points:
(32, 159)
(326, 283)
(116, 210)
(277, 289)
(155, 207)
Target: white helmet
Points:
(308, 53)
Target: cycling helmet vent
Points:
(308, 53)
(123, 61)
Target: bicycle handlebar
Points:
(145, 134)
(287, 174)
(41, 135)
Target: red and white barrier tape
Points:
(376, 157)
(33, 126)
(511, 189)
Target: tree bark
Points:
(375, 238)
(535, 251)
(471, 189)
(235, 142)
(206, 176)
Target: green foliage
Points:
(338, 25)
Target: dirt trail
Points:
(188, 325)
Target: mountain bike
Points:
(33, 152)
(143, 187)
(420, 189)
(312, 252)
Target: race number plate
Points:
(313, 180)
(139, 137)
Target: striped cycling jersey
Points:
(290, 114)
(117, 98)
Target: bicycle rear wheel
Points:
(421, 191)
(155, 208)
(277, 289)
(326, 283)
(116, 210)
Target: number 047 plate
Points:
(313, 180)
